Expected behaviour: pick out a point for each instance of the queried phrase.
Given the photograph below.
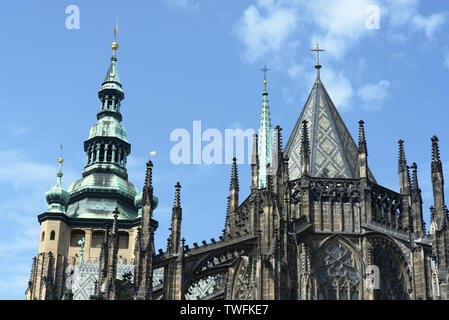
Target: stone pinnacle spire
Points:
(177, 203)
(305, 149)
(402, 162)
(362, 140)
(234, 176)
(436, 162)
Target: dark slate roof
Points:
(333, 152)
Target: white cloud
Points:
(339, 88)
(264, 33)
(341, 23)
(429, 24)
(373, 94)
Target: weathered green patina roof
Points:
(333, 152)
(112, 79)
(108, 126)
(57, 197)
(99, 193)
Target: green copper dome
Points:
(57, 197)
(99, 193)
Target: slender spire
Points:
(111, 92)
(402, 162)
(255, 164)
(234, 176)
(254, 156)
(175, 237)
(436, 161)
(177, 203)
(362, 140)
(264, 143)
(233, 202)
(305, 149)
(148, 187)
(415, 184)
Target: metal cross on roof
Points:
(265, 70)
(317, 50)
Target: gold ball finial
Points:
(265, 82)
(61, 160)
(114, 45)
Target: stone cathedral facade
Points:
(315, 225)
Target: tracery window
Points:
(207, 287)
(392, 284)
(337, 273)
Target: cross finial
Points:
(265, 70)
(317, 50)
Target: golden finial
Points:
(114, 44)
(61, 160)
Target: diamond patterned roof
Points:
(333, 152)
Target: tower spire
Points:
(264, 143)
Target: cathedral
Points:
(316, 224)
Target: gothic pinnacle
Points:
(147, 195)
(254, 156)
(436, 162)
(177, 195)
(362, 140)
(234, 176)
(402, 162)
(415, 176)
(305, 143)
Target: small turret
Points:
(57, 197)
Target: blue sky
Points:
(186, 60)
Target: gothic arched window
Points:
(52, 235)
(337, 273)
(392, 284)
